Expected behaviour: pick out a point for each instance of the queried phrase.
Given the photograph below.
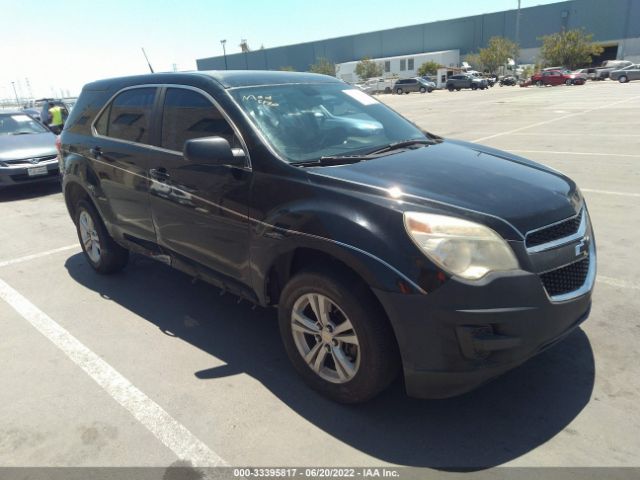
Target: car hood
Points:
(468, 177)
(18, 147)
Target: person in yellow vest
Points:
(55, 115)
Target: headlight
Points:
(460, 247)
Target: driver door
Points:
(199, 211)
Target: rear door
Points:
(200, 211)
(120, 153)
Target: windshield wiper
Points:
(332, 160)
(403, 144)
(21, 133)
(346, 159)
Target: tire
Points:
(474, 86)
(422, 89)
(623, 79)
(450, 88)
(458, 89)
(101, 251)
(399, 91)
(568, 82)
(539, 83)
(373, 362)
(387, 89)
(429, 90)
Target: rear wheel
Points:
(458, 89)
(422, 89)
(450, 88)
(100, 250)
(623, 79)
(336, 337)
(399, 91)
(539, 83)
(568, 82)
(474, 86)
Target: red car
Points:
(557, 77)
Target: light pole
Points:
(13, 84)
(224, 52)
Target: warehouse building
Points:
(615, 24)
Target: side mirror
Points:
(213, 151)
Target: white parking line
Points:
(578, 153)
(162, 425)
(555, 119)
(609, 192)
(26, 258)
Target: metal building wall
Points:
(608, 20)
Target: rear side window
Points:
(188, 114)
(128, 117)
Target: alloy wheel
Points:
(90, 238)
(325, 338)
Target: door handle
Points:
(96, 152)
(159, 174)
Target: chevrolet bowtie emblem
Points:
(581, 248)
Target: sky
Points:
(53, 48)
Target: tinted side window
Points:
(129, 116)
(188, 114)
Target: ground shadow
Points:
(27, 191)
(497, 423)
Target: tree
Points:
(367, 68)
(428, 68)
(323, 66)
(570, 48)
(497, 53)
(528, 71)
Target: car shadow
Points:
(27, 191)
(492, 425)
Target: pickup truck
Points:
(609, 66)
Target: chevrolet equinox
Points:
(385, 248)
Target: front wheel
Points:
(100, 250)
(450, 88)
(539, 83)
(623, 79)
(399, 91)
(474, 86)
(422, 89)
(568, 82)
(336, 337)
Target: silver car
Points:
(632, 72)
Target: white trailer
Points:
(401, 66)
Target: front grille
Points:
(27, 162)
(566, 279)
(554, 232)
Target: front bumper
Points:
(19, 175)
(460, 335)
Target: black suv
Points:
(383, 247)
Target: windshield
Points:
(306, 122)
(19, 124)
